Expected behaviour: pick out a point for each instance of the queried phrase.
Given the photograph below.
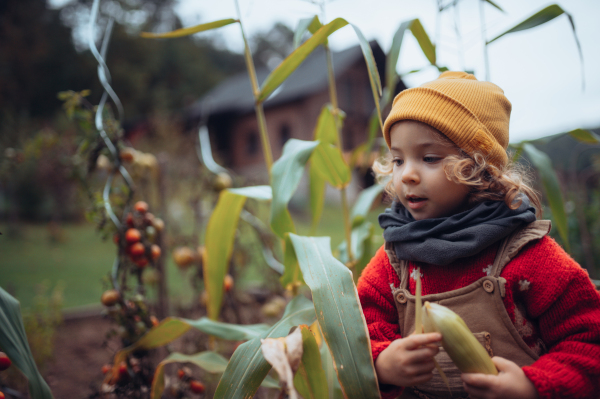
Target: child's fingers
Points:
(503, 365)
(422, 355)
(418, 369)
(478, 380)
(416, 340)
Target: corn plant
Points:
(309, 260)
(343, 365)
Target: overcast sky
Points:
(539, 69)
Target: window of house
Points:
(252, 143)
(285, 134)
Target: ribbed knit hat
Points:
(471, 113)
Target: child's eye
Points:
(398, 162)
(431, 159)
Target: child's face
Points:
(419, 178)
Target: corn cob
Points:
(466, 352)
(419, 327)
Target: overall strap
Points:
(512, 244)
(399, 265)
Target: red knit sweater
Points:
(549, 298)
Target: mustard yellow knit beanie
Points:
(471, 113)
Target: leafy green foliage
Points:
(585, 136)
(339, 315)
(307, 24)
(541, 17)
(209, 361)
(41, 322)
(285, 177)
(13, 341)
(189, 31)
(220, 233)
(310, 379)
(247, 368)
(542, 163)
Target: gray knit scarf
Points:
(441, 241)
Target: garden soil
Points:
(76, 369)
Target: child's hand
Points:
(408, 361)
(511, 382)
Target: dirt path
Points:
(78, 358)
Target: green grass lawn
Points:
(82, 260)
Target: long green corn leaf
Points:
(494, 4)
(328, 161)
(427, 47)
(317, 196)
(543, 164)
(220, 234)
(285, 177)
(247, 368)
(585, 136)
(13, 341)
(363, 204)
(292, 275)
(325, 132)
(374, 78)
(425, 43)
(368, 251)
(339, 314)
(540, 18)
(262, 193)
(360, 235)
(333, 384)
(209, 361)
(391, 76)
(307, 24)
(172, 328)
(289, 65)
(190, 30)
(310, 379)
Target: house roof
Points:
(235, 93)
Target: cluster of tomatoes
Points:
(132, 316)
(4, 364)
(186, 384)
(140, 235)
(128, 375)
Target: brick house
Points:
(292, 110)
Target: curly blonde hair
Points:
(486, 181)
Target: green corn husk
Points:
(466, 352)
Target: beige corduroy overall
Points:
(479, 304)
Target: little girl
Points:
(465, 220)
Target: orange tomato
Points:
(137, 249)
(141, 207)
(196, 386)
(132, 235)
(155, 250)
